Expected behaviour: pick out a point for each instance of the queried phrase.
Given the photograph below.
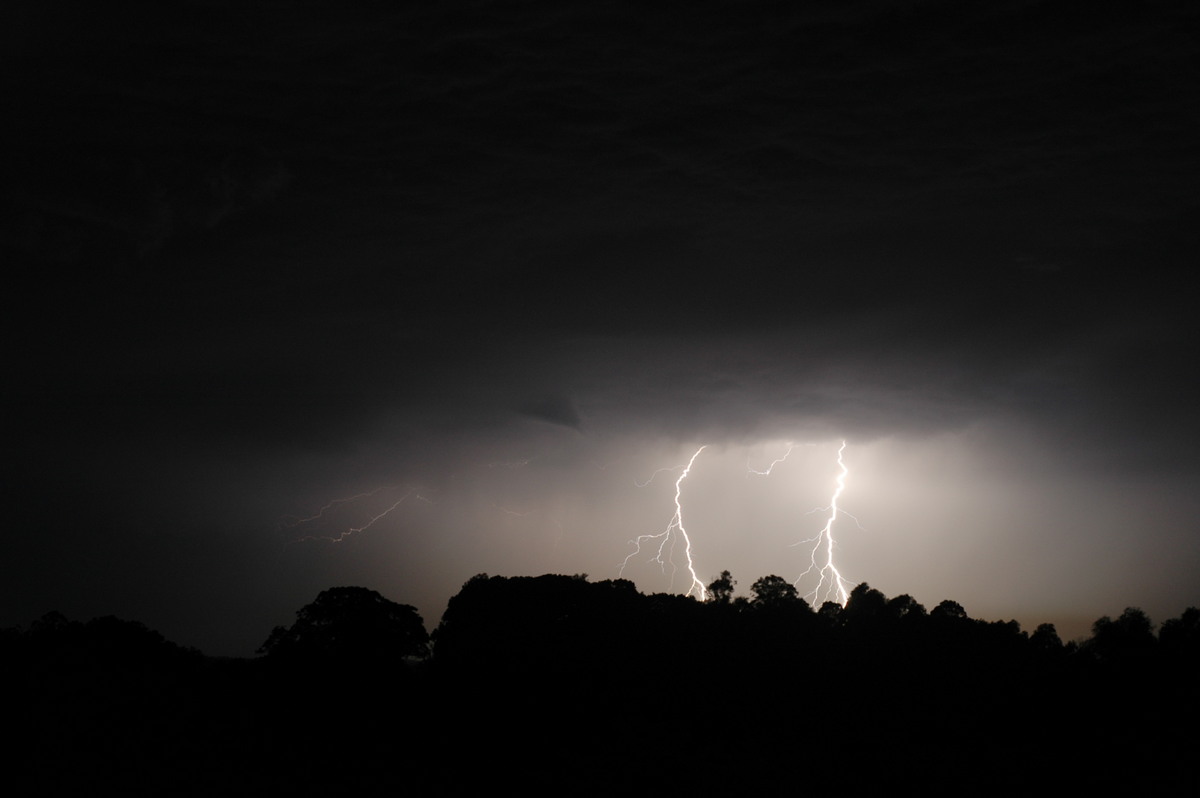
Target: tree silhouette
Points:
(720, 590)
(864, 605)
(1045, 639)
(1129, 636)
(351, 623)
(773, 591)
(830, 612)
(905, 606)
(949, 610)
(1180, 636)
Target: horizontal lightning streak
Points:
(354, 529)
(321, 513)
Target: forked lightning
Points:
(831, 586)
(668, 537)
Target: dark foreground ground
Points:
(557, 685)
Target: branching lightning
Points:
(339, 537)
(771, 467)
(642, 484)
(293, 522)
(668, 538)
(831, 586)
(670, 548)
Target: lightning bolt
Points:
(668, 537)
(338, 538)
(831, 586)
(508, 464)
(662, 471)
(771, 467)
(321, 513)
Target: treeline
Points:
(556, 683)
(508, 621)
(506, 624)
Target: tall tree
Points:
(720, 590)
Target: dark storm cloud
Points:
(800, 115)
(875, 178)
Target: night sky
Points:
(505, 261)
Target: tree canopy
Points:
(720, 590)
(351, 623)
(773, 591)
